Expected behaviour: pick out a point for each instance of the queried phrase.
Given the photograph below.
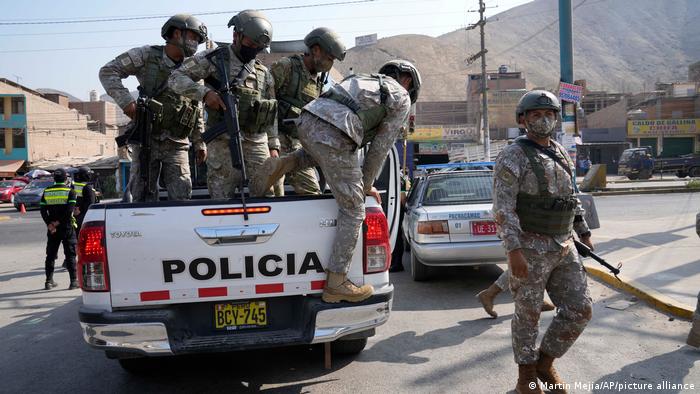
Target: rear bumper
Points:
(460, 253)
(183, 329)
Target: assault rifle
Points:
(231, 122)
(585, 251)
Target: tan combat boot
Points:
(548, 375)
(547, 306)
(486, 298)
(269, 172)
(694, 335)
(527, 380)
(339, 288)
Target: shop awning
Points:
(8, 168)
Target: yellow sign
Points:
(656, 127)
(426, 134)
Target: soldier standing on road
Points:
(257, 109)
(85, 195)
(332, 129)
(298, 81)
(57, 205)
(535, 209)
(180, 117)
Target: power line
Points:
(133, 18)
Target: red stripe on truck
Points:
(213, 292)
(269, 288)
(318, 284)
(155, 295)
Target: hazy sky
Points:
(67, 56)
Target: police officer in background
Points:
(536, 212)
(180, 116)
(85, 195)
(254, 86)
(299, 80)
(57, 205)
(360, 110)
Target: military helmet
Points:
(184, 22)
(254, 25)
(60, 175)
(536, 99)
(394, 67)
(328, 40)
(83, 174)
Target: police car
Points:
(448, 219)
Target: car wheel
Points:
(632, 176)
(419, 271)
(645, 174)
(350, 346)
(681, 174)
(694, 172)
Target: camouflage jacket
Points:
(367, 94)
(133, 62)
(513, 175)
(198, 67)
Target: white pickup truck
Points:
(182, 277)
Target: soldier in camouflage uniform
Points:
(255, 88)
(536, 210)
(486, 297)
(359, 110)
(180, 117)
(298, 81)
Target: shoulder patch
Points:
(506, 176)
(124, 59)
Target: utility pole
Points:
(484, 80)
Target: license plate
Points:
(240, 316)
(484, 228)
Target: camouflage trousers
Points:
(304, 180)
(562, 275)
(503, 281)
(327, 147)
(169, 161)
(222, 178)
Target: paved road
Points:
(437, 340)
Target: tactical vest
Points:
(179, 115)
(300, 90)
(371, 118)
(254, 112)
(543, 213)
(57, 194)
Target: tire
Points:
(349, 347)
(136, 366)
(645, 174)
(681, 174)
(694, 172)
(419, 271)
(632, 177)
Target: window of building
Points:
(18, 138)
(2, 139)
(18, 105)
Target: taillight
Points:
(377, 253)
(92, 257)
(433, 227)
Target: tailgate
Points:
(174, 253)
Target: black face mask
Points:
(248, 53)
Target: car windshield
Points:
(461, 188)
(6, 184)
(40, 184)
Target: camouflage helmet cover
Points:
(328, 40)
(394, 67)
(254, 25)
(536, 99)
(184, 22)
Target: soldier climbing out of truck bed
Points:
(360, 110)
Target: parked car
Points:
(449, 222)
(9, 188)
(30, 196)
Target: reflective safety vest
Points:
(57, 194)
(254, 112)
(179, 114)
(78, 188)
(371, 118)
(544, 213)
(299, 91)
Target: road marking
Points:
(4, 218)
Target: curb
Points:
(621, 192)
(650, 296)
